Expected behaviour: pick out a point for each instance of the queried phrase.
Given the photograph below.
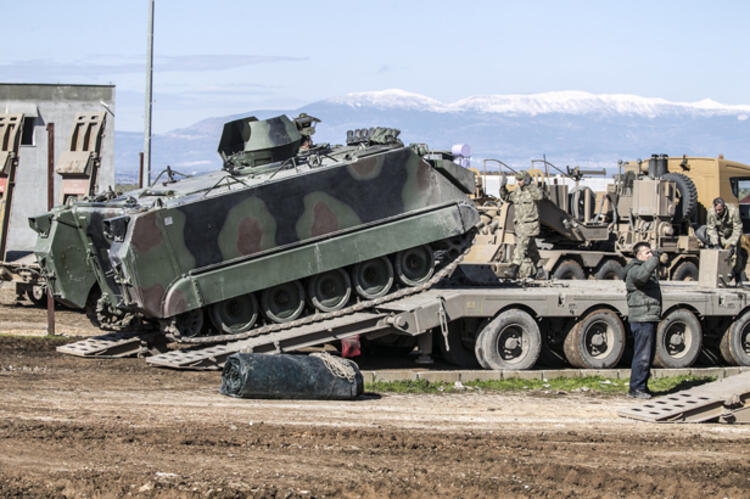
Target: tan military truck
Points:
(589, 234)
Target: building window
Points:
(27, 134)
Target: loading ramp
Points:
(724, 401)
(213, 357)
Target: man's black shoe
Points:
(639, 394)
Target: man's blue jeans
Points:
(644, 336)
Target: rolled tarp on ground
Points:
(284, 376)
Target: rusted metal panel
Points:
(79, 164)
(11, 126)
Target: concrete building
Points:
(42, 104)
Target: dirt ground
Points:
(81, 427)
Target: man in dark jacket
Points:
(644, 312)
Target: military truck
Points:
(286, 229)
(591, 235)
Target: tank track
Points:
(465, 243)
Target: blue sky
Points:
(224, 57)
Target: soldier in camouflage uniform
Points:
(526, 224)
(724, 230)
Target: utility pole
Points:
(149, 84)
(50, 204)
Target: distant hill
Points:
(569, 127)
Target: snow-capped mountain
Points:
(570, 127)
(567, 102)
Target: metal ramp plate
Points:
(213, 357)
(727, 400)
(108, 346)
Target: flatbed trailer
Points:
(502, 326)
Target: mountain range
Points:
(569, 127)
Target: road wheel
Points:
(597, 341)
(569, 270)
(189, 324)
(511, 341)
(283, 303)
(686, 271)
(373, 278)
(735, 343)
(679, 338)
(330, 291)
(37, 295)
(235, 315)
(415, 266)
(461, 343)
(610, 270)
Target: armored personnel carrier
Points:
(286, 229)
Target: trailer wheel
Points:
(569, 270)
(461, 343)
(736, 341)
(726, 354)
(37, 295)
(479, 349)
(610, 270)
(678, 339)
(597, 341)
(511, 341)
(686, 271)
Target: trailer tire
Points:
(736, 341)
(610, 270)
(679, 338)
(512, 340)
(37, 295)
(569, 270)
(461, 345)
(726, 354)
(597, 341)
(479, 349)
(686, 271)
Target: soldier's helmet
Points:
(523, 176)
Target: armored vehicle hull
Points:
(268, 239)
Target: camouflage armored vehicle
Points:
(286, 228)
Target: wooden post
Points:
(50, 204)
(140, 173)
